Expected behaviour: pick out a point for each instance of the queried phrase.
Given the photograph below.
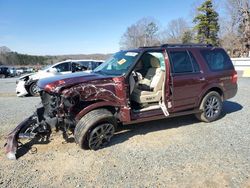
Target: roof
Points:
(179, 45)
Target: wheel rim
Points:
(212, 107)
(101, 136)
(34, 89)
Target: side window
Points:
(180, 62)
(79, 66)
(63, 67)
(194, 62)
(217, 59)
(95, 64)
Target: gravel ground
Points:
(177, 152)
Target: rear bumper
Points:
(230, 93)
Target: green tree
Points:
(207, 26)
(187, 37)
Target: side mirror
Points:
(53, 70)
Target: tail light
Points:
(234, 77)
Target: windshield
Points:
(46, 67)
(118, 64)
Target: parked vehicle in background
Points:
(19, 71)
(133, 86)
(26, 84)
(4, 72)
(12, 71)
(23, 70)
(29, 70)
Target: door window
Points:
(63, 67)
(80, 66)
(194, 62)
(183, 62)
(180, 62)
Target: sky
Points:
(56, 27)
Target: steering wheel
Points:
(137, 76)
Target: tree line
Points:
(231, 32)
(14, 58)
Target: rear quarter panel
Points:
(220, 79)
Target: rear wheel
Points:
(95, 129)
(2, 76)
(211, 107)
(33, 89)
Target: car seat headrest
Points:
(155, 63)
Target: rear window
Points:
(89, 65)
(217, 59)
(84, 64)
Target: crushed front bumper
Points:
(12, 138)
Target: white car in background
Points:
(26, 85)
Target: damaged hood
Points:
(25, 75)
(53, 84)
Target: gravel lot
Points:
(177, 152)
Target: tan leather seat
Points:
(149, 89)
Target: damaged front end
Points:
(50, 116)
(65, 99)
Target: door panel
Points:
(186, 90)
(187, 79)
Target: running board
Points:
(155, 107)
(162, 116)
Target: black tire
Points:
(90, 123)
(32, 89)
(211, 107)
(2, 76)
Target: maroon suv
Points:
(132, 86)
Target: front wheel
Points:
(95, 129)
(33, 89)
(2, 76)
(100, 136)
(211, 107)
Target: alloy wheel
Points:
(101, 135)
(212, 107)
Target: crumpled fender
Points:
(12, 139)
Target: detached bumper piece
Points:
(12, 139)
(27, 129)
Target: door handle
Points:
(202, 78)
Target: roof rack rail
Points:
(149, 46)
(185, 45)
